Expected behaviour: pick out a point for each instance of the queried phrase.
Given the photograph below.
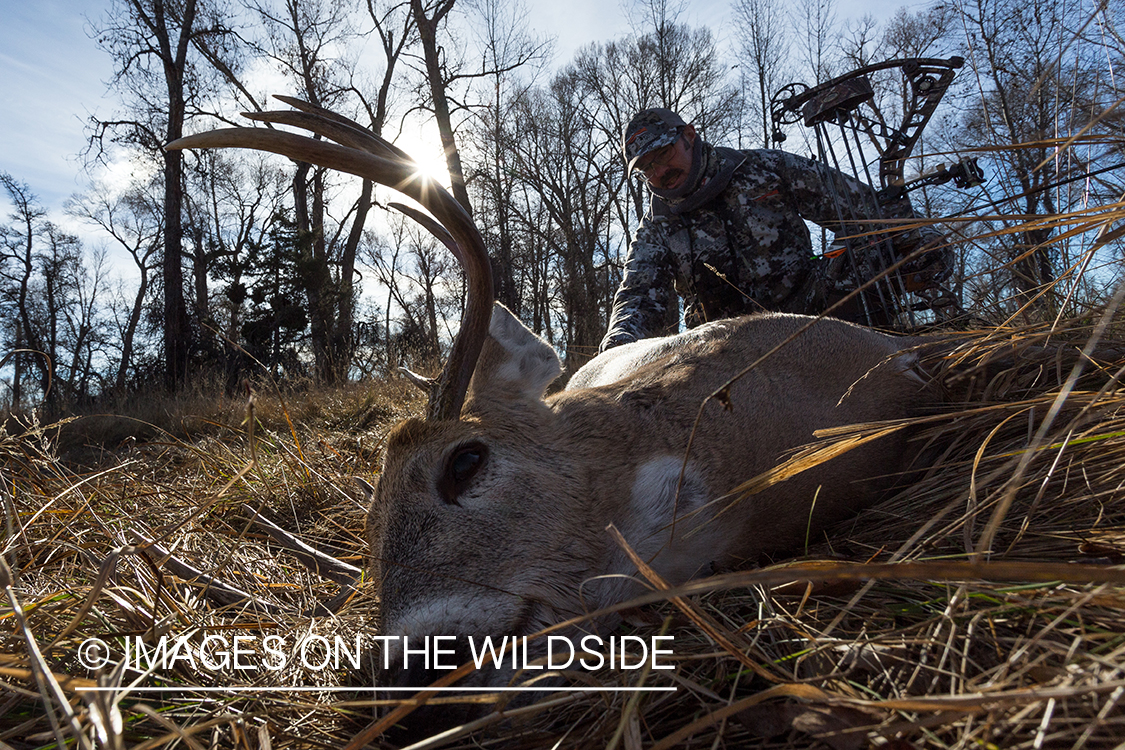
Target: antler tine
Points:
(348, 132)
(427, 223)
(343, 130)
(367, 156)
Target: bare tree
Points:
(21, 237)
(429, 18)
(508, 49)
(240, 196)
(415, 272)
(573, 175)
(931, 32)
(51, 290)
(308, 41)
(150, 42)
(505, 47)
(393, 25)
(135, 222)
(1039, 79)
(383, 255)
(75, 282)
(765, 48)
(815, 21)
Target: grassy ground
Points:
(983, 607)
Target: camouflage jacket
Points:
(746, 250)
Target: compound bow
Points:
(848, 103)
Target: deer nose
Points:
(426, 720)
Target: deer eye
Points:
(462, 465)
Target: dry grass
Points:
(69, 535)
(913, 630)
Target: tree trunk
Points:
(427, 31)
(343, 340)
(131, 330)
(17, 374)
(177, 332)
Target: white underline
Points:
(189, 689)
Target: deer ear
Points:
(514, 358)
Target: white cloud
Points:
(51, 76)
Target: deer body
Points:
(495, 524)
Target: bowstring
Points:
(878, 250)
(824, 148)
(883, 241)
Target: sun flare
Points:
(427, 153)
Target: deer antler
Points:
(362, 153)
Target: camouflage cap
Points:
(649, 130)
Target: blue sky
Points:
(53, 76)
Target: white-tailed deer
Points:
(490, 514)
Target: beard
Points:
(690, 178)
(670, 178)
